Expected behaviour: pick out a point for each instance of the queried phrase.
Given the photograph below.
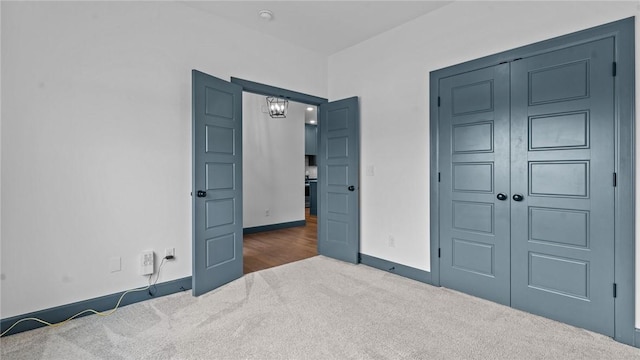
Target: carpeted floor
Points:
(317, 308)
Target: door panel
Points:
(338, 180)
(474, 165)
(562, 162)
(217, 171)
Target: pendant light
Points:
(277, 107)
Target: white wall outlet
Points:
(371, 170)
(169, 252)
(146, 263)
(115, 264)
(267, 212)
(392, 241)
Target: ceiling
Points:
(326, 26)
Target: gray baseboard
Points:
(279, 226)
(636, 341)
(103, 303)
(402, 270)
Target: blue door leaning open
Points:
(338, 180)
(217, 182)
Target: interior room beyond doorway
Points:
(267, 249)
(279, 221)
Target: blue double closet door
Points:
(526, 208)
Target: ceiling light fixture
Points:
(309, 108)
(265, 15)
(277, 107)
(312, 121)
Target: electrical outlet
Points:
(169, 252)
(371, 170)
(392, 241)
(146, 263)
(115, 264)
(267, 212)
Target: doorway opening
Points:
(217, 177)
(279, 184)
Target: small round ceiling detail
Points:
(266, 15)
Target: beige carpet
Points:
(317, 308)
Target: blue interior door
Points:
(338, 180)
(562, 167)
(217, 182)
(526, 154)
(474, 183)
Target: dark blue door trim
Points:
(262, 89)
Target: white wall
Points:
(96, 137)
(390, 73)
(96, 121)
(273, 163)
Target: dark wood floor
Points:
(272, 248)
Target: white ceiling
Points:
(326, 26)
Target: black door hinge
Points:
(615, 179)
(438, 252)
(615, 290)
(508, 61)
(614, 69)
(438, 101)
(438, 177)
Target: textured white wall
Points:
(273, 163)
(96, 137)
(390, 73)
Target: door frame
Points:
(623, 33)
(268, 90)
